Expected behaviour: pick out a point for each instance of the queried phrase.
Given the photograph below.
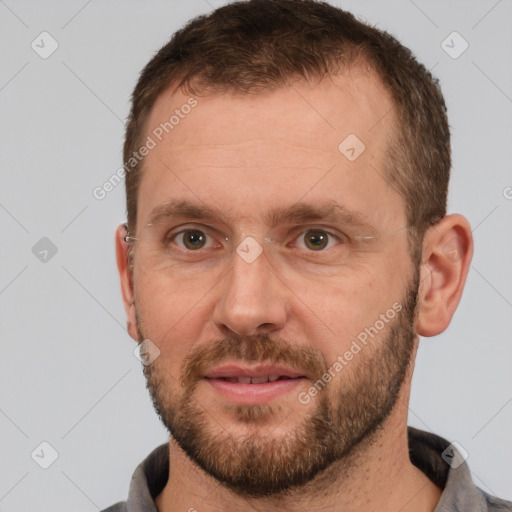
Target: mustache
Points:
(259, 348)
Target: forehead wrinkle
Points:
(269, 149)
(260, 141)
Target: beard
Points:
(345, 419)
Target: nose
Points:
(252, 298)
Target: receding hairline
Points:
(197, 85)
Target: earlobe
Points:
(447, 253)
(126, 279)
(131, 323)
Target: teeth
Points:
(258, 380)
(254, 380)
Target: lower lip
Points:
(254, 394)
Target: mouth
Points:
(244, 385)
(256, 380)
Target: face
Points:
(273, 273)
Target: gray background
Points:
(68, 374)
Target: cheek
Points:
(172, 317)
(332, 315)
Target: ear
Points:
(126, 277)
(447, 253)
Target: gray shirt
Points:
(430, 453)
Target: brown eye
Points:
(193, 239)
(316, 239)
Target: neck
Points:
(377, 476)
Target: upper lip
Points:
(261, 370)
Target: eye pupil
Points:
(194, 239)
(316, 240)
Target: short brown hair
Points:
(259, 45)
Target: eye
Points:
(192, 239)
(316, 240)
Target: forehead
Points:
(230, 149)
(353, 101)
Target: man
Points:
(287, 243)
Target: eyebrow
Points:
(328, 211)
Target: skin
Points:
(248, 155)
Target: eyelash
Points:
(171, 238)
